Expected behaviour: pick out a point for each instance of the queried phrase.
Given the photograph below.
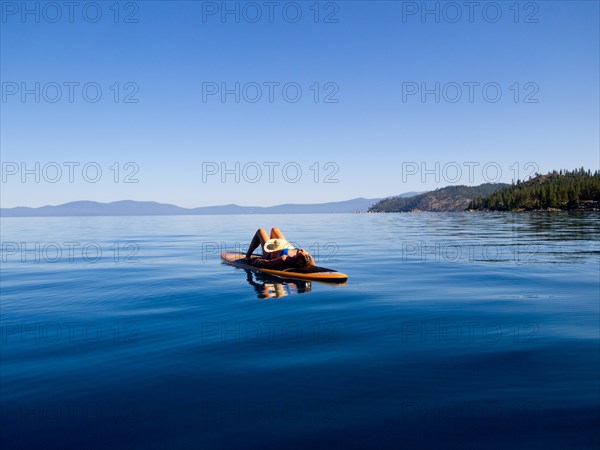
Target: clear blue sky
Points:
(369, 53)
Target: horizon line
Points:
(197, 207)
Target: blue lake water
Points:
(461, 331)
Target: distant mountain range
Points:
(450, 198)
(135, 208)
(559, 190)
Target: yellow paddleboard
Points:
(309, 274)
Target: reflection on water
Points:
(267, 286)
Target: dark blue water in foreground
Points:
(465, 331)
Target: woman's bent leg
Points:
(259, 239)
(277, 234)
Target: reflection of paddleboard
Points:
(311, 273)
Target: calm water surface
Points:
(461, 331)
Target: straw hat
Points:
(276, 245)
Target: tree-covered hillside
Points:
(451, 198)
(565, 190)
